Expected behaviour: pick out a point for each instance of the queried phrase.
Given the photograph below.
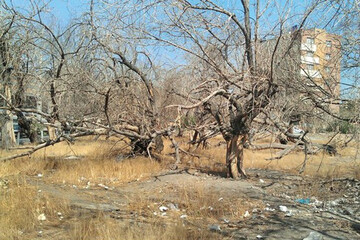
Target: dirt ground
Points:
(337, 217)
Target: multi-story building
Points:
(306, 59)
(320, 56)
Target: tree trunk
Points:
(33, 132)
(235, 157)
(29, 127)
(52, 133)
(7, 131)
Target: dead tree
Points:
(6, 118)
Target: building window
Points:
(309, 54)
(310, 41)
(327, 56)
(310, 66)
(328, 43)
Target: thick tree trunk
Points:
(240, 159)
(7, 130)
(33, 133)
(235, 157)
(29, 127)
(141, 146)
(52, 133)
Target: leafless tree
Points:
(6, 118)
(102, 76)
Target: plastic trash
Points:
(173, 206)
(247, 214)
(41, 217)
(303, 200)
(163, 209)
(215, 228)
(269, 209)
(283, 208)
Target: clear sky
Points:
(62, 11)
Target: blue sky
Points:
(64, 10)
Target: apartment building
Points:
(320, 54)
(306, 58)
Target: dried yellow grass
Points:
(99, 162)
(104, 228)
(346, 163)
(99, 165)
(20, 206)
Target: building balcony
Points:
(308, 47)
(310, 60)
(310, 73)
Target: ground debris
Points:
(314, 236)
(215, 228)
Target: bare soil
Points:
(334, 215)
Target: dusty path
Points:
(273, 188)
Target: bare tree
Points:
(6, 118)
(102, 75)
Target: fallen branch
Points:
(269, 146)
(287, 150)
(33, 149)
(189, 153)
(21, 148)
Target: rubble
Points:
(314, 236)
(215, 228)
(41, 217)
(283, 208)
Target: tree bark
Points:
(52, 133)
(28, 126)
(235, 157)
(7, 131)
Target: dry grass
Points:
(320, 165)
(99, 163)
(201, 205)
(102, 227)
(200, 202)
(20, 206)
